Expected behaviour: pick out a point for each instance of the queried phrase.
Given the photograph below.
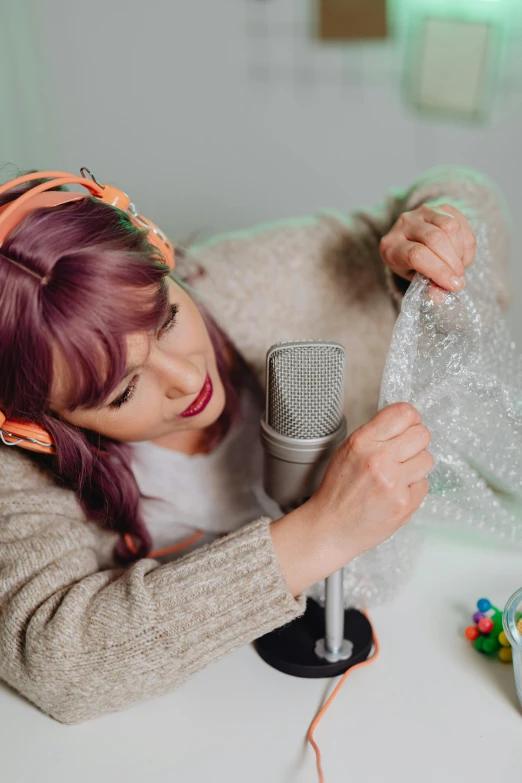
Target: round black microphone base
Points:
(291, 649)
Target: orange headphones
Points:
(24, 434)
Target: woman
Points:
(104, 351)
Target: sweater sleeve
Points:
(81, 640)
(477, 197)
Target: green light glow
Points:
(496, 11)
(407, 21)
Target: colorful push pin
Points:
(490, 645)
(485, 625)
(505, 654)
(487, 634)
(471, 632)
(478, 644)
(497, 622)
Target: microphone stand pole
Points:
(334, 647)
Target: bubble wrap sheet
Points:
(452, 357)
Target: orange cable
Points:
(195, 537)
(130, 543)
(159, 552)
(336, 690)
(182, 544)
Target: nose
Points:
(181, 378)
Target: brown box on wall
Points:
(348, 20)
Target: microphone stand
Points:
(324, 642)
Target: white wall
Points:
(159, 98)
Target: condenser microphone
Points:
(303, 426)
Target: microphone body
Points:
(293, 469)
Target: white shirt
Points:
(216, 493)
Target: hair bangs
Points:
(89, 333)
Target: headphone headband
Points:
(25, 434)
(12, 213)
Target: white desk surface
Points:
(429, 709)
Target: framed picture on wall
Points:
(450, 67)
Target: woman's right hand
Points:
(374, 482)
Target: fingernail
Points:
(457, 282)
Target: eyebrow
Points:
(128, 370)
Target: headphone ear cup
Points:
(12, 431)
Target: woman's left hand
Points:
(437, 241)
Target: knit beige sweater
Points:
(81, 637)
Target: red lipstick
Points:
(201, 401)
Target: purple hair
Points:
(105, 281)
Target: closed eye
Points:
(126, 395)
(170, 322)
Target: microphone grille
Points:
(305, 388)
